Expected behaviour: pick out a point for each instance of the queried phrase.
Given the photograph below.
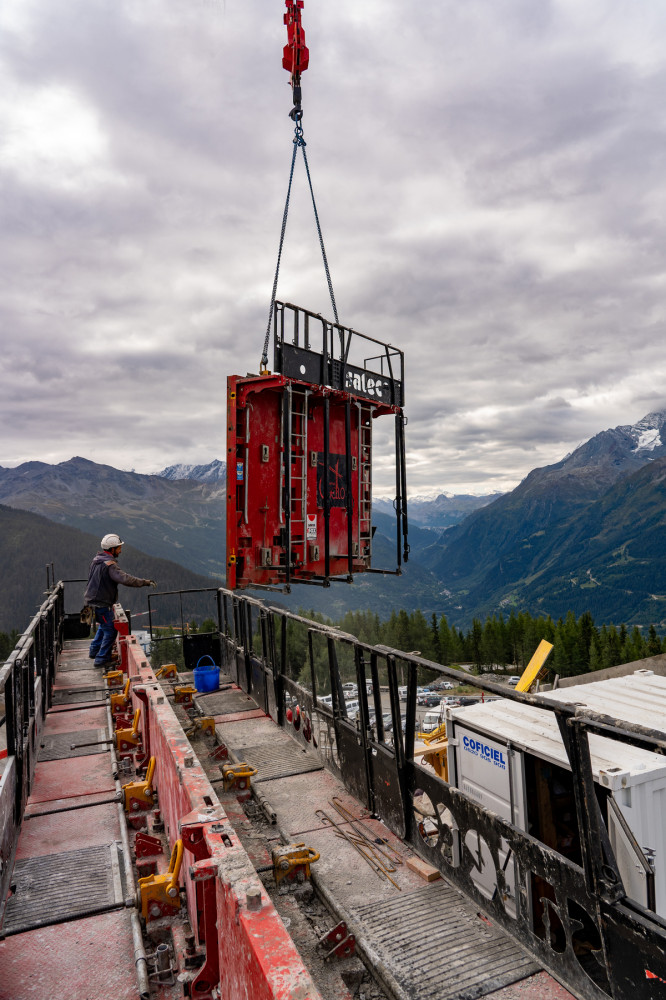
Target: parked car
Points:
(325, 699)
(513, 680)
(430, 721)
(422, 694)
(450, 702)
(349, 690)
(430, 700)
(447, 686)
(352, 707)
(402, 693)
(386, 719)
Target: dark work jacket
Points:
(104, 576)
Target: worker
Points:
(101, 594)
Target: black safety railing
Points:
(310, 348)
(568, 908)
(26, 686)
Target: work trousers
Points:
(101, 648)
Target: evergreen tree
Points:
(434, 639)
(475, 639)
(653, 644)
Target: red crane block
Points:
(295, 55)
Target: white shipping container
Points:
(510, 758)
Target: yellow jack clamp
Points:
(127, 739)
(121, 699)
(184, 694)
(206, 724)
(159, 895)
(139, 795)
(237, 775)
(293, 862)
(114, 678)
(168, 670)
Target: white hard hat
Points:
(111, 542)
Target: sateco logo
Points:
(360, 382)
(479, 749)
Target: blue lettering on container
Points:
(239, 472)
(479, 749)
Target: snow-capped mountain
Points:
(214, 472)
(647, 433)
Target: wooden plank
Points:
(423, 869)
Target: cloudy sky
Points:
(491, 181)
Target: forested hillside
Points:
(579, 645)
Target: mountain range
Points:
(587, 533)
(178, 519)
(32, 545)
(583, 534)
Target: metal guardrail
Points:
(26, 684)
(573, 916)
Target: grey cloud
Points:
(490, 183)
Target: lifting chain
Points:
(295, 60)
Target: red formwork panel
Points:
(248, 952)
(299, 458)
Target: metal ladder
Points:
(364, 479)
(298, 473)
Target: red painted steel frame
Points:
(262, 451)
(248, 951)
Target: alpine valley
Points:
(587, 533)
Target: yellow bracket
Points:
(121, 699)
(114, 678)
(184, 693)
(168, 670)
(291, 859)
(206, 723)
(126, 738)
(159, 895)
(139, 794)
(237, 775)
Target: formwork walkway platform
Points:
(66, 925)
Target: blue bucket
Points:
(207, 678)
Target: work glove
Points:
(149, 583)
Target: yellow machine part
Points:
(206, 724)
(168, 670)
(114, 678)
(184, 693)
(140, 791)
(437, 758)
(159, 895)
(129, 737)
(291, 859)
(535, 669)
(120, 699)
(237, 775)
